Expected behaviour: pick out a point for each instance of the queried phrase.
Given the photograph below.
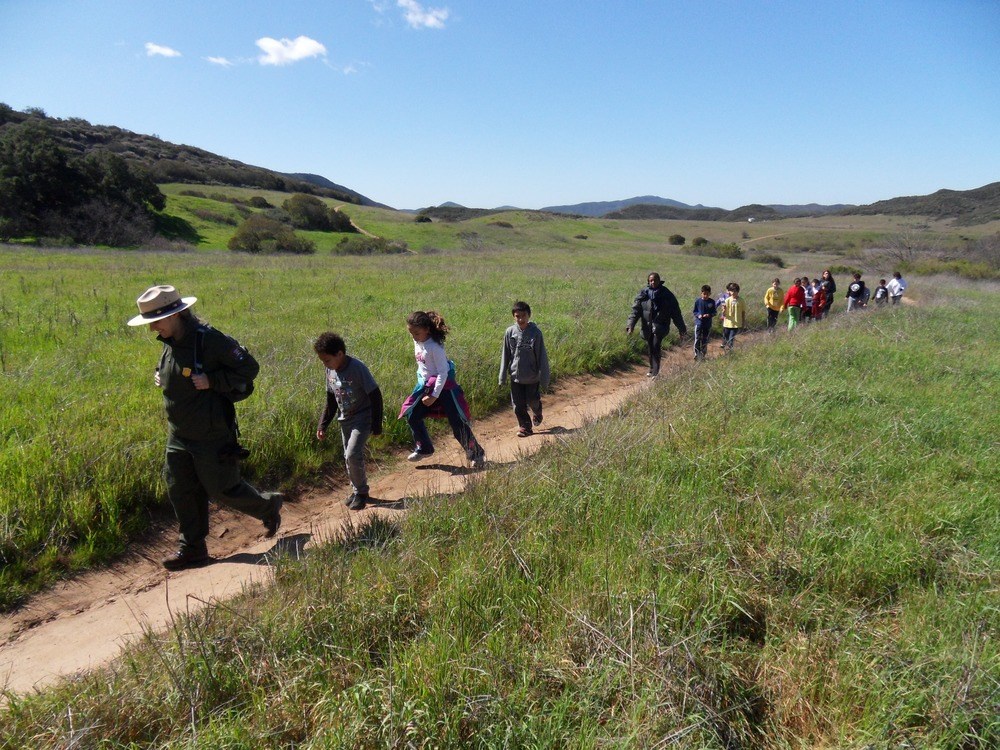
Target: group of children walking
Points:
(804, 301)
(354, 397)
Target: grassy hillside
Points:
(794, 547)
(170, 162)
(966, 207)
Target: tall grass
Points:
(81, 423)
(793, 547)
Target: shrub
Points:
(422, 219)
(676, 239)
(341, 222)
(726, 250)
(699, 242)
(363, 245)
(260, 234)
(771, 258)
(307, 212)
(259, 201)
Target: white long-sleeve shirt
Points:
(431, 362)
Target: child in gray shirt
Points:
(524, 359)
(352, 391)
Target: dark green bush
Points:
(676, 239)
(699, 242)
(260, 234)
(767, 258)
(726, 250)
(363, 245)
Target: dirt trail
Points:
(85, 622)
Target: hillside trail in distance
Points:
(86, 621)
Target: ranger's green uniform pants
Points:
(195, 471)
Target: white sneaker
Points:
(479, 461)
(416, 456)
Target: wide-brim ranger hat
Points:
(159, 302)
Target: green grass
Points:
(82, 427)
(793, 547)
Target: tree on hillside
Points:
(310, 213)
(95, 199)
(260, 234)
(35, 178)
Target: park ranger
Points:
(201, 371)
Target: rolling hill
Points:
(171, 162)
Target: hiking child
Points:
(819, 299)
(436, 394)
(353, 396)
(807, 303)
(772, 303)
(856, 293)
(704, 311)
(735, 316)
(654, 307)
(829, 287)
(881, 294)
(896, 287)
(523, 358)
(201, 372)
(794, 299)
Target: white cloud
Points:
(152, 50)
(420, 18)
(287, 51)
(224, 62)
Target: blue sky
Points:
(541, 102)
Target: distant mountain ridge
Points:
(976, 206)
(602, 208)
(655, 207)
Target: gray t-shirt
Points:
(351, 387)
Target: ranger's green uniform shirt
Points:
(208, 414)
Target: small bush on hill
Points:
(214, 216)
(260, 234)
(307, 212)
(362, 245)
(699, 242)
(422, 219)
(676, 239)
(725, 250)
(310, 213)
(767, 258)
